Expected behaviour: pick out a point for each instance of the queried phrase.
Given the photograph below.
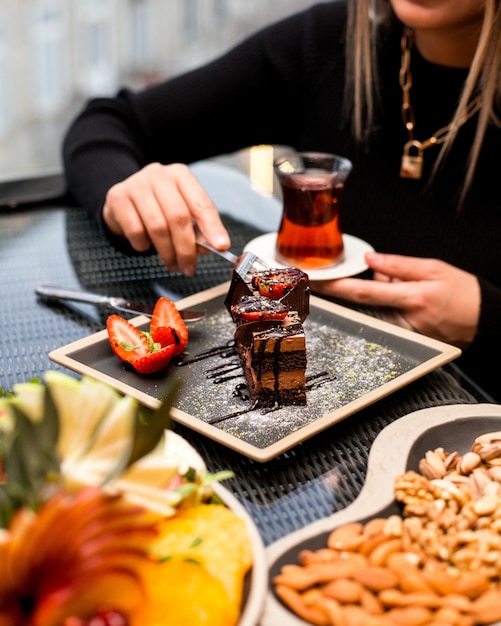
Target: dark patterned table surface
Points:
(56, 244)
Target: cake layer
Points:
(273, 357)
(270, 388)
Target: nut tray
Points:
(398, 448)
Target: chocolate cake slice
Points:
(273, 356)
(269, 313)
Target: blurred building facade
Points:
(55, 54)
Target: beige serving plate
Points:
(398, 448)
(360, 359)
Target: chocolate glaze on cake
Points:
(273, 357)
(289, 285)
(258, 308)
(269, 335)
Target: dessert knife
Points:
(52, 292)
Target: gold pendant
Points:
(412, 164)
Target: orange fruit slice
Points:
(183, 593)
(215, 537)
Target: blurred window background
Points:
(55, 54)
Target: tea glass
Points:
(309, 236)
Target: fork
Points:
(244, 265)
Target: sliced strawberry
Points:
(166, 314)
(276, 283)
(136, 347)
(164, 335)
(154, 361)
(127, 341)
(257, 308)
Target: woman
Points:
(408, 90)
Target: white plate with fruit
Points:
(109, 518)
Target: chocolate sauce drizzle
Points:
(222, 418)
(224, 351)
(318, 380)
(218, 375)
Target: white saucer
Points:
(354, 251)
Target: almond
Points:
(343, 567)
(380, 554)
(472, 584)
(296, 577)
(410, 578)
(343, 590)
(314, 556)
(346, 537)
(487, 608)
(410, 616)
(294, 601)
(376, 578)
(371, 603)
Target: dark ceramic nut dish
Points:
(399, 449)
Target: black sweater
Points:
(284, 86)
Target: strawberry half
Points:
(137, 348)
(154, 361)
(165, 336)
(276, 283)
(127, 341)
(258, 308)
(166, 315)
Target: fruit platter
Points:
(421, 544)
(110, 518)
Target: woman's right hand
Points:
(157, 207)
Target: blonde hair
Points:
(366, 18)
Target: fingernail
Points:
(376, 257)
(220, 241)
(187, 270)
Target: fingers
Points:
(395, 283)
(203, 211)
(433, 297)
(158, 206)
(367, 292)
(121, 217)
(397, 267)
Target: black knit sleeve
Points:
(256, 93)
(479, 361)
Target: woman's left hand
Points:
(435, 298)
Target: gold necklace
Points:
(412, 158)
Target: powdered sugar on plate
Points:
(341, 367)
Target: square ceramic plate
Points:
(353, 361)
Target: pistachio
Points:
(468, 462)
(433, 466)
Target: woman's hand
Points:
(435, 298)
(157, 206)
